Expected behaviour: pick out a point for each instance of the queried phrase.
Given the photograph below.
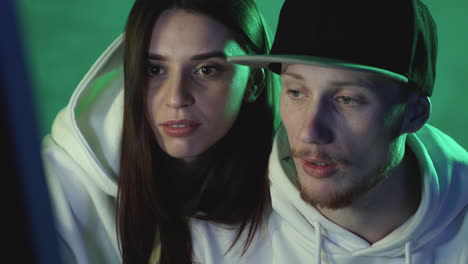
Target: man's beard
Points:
(338, 199)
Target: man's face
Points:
(344, 129)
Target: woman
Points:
(201, 144)
(195, 138)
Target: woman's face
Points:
(194, 95)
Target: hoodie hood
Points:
(89, 127)
(442, 162)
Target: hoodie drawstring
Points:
(408, 252)
(318, 242)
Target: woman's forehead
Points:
(187, 31)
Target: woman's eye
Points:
(295, 93)
(348, 100)
(207, 71)
(154, 70)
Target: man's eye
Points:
(207, 70)
(348, 100)
(295, 93)
(154, 70)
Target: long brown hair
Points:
(233, 186)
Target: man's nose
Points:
(317, 125)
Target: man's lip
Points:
(312, 168)
(179, 122)
(319, 160)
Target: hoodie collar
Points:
(414, 233)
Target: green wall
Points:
(64, 38)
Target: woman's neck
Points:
(185, 181)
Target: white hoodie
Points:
(297, 233)
(81, 158)
(436, 233)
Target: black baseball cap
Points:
(396, 38)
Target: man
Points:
(356, 174)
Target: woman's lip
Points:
(179, 128)
(312, 168)
(179, 122)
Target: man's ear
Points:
(417, 112)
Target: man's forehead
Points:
(308, 73)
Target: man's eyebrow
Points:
(294, 75)
(352, 83)
(361, 82)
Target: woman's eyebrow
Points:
(211, 54)
(201, 56)
(155, 56)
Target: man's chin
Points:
(331, 200)
(329, 194)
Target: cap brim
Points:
(265, 61)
